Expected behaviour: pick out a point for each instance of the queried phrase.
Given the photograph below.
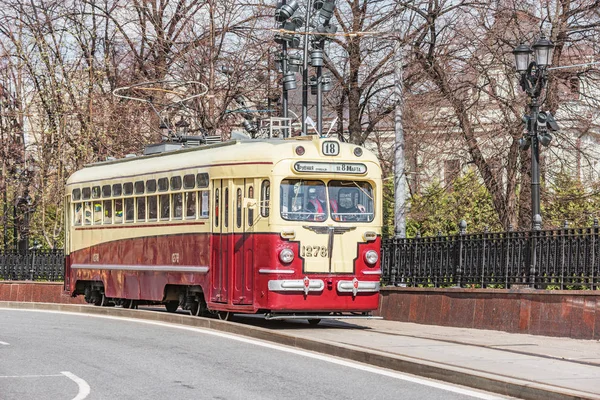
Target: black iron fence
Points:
(35, 265)
(541, 259)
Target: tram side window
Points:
(226, 208)
(129, 209)
(152, 208)
(190, 205)
(175, 183)
(77, 213)
(96, 192)
(118, 210)
(216, 207)
(250, 209)
(117, 189)
(238, 208)
(86, 193)
(76, 194)
(139, 187)
(202, 180)
(265, 198)
(87, 213)
(128, 189)
(106, 192)
(151, 185)
(141, 208)
(98, 211)
(203, 203)
(177, 204)
(163, 184)
(189, 181)
(165, 206)
(108, 211)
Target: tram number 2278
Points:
(313, 251)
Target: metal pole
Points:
(305, 70)
(399, 164)
(535, 162)
(320, 97)
(284, 101)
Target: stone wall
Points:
(574, 314)
(29, 291)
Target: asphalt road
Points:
(45, 355)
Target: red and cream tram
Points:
(289, 228)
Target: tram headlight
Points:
(371, 257)
(286, 256)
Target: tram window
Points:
(189, 181)
(202, 180)
(87, 213)
(152, 208)
(151, 185)
(355, 202)
(78, 213)
(98, 212)
(165, 206)
(108, 211)
(86, 193)
(238, 208)
(177, 205)
(304, 200)
(250, 209)
(163, 184)
(265, 197)
(117, 189)
(106, 191)
(76, 194)
(141, 208)
(190, 204)
(96, 192)
(175, 183)
(216, 207)
(129, 209)
(118, 210)
(226, 208)
(203, 203)
(128, 189)
(139, 187)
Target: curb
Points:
(502, 385)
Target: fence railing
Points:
(541, 259)
(36, 265)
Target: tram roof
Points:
(262, 150)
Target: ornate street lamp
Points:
(533, 79)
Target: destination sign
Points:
(336, 168)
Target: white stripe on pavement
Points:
(4, 344)
(84, 388)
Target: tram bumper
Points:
(323, 294)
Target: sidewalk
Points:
(565, 367)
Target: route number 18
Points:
(331, 148)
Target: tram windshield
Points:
(313, 200)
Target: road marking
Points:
(3, 344)
(30, 376)
(84, 388)
(305, 353)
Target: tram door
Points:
(243, 241)
(221, 229)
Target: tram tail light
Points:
(369, 236)
(286, 256)
(371, 258)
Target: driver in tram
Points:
(317, 203)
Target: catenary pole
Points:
(399, 168)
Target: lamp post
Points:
(533, 79)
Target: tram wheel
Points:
(314, 322)
(224, 315)
(172, 306)
(103, 301)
